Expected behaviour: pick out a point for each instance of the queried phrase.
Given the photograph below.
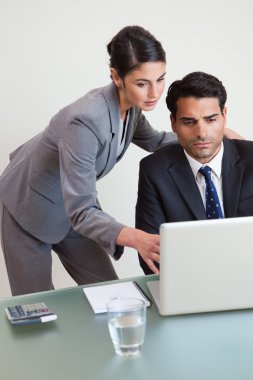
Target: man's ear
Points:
(224, 113)
(172, 122)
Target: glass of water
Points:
(127, 324)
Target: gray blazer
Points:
(50, 182)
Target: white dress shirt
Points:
(122, 134)
(215, 165)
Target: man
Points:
(171, 187)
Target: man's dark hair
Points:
(198, 85)
(133, 46)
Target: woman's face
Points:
(143, 87)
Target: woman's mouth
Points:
(151, 103)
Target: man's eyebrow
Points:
(187, 118)
(210, 116)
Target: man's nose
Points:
(201, 129)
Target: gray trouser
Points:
(29, 260)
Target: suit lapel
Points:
(111, 98)
(181, 174)
(130, 130)
(232, 173)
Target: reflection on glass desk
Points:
(78, 346)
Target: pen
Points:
(28, 321)
(142, 292)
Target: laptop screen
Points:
(206, 265)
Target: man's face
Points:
(199, 125)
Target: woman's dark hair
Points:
(132, 46)
(198, 85)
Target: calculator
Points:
(30, 313)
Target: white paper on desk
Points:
(99, 295)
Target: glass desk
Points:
(215, 346)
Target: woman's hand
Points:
(230, 134)
(148, 245)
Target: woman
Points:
(48, 191)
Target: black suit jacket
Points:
(168, 191)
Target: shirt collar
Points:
(214, 164)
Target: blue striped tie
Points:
(213, 207)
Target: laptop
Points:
(205, 266)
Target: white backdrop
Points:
(54, 51)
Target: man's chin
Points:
(204, 154)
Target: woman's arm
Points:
(149, 139)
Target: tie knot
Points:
(206, 171)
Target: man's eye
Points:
(188, 122)
(140, 84)
(211, 120)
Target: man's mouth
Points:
(202, 144)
